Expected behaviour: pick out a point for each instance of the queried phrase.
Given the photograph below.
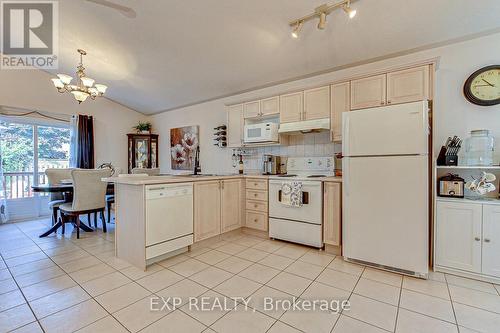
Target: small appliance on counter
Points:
(448, 155)
(338, 164)
(451, 186)
(273, 165)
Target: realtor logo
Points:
(29, 34)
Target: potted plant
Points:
(143, 128)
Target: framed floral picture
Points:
(183, 143)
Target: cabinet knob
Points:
(255, 206)
(477, 239)
(388, 102)
(487, 240)
(255, 184)
(255, 220)
(255, 194)
(382, 103)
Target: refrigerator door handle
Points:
(425, 119)
(345, 135)
(345, 167)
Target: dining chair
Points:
(110, 198)
(55, 176)
(150, 172)
(88, 197)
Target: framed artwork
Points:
(183, 144)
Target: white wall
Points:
(32, 89)
(453, 115)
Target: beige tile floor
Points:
(61, 284)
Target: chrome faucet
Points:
(197, 167)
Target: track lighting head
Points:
(296, 30)
(349, 11)
(322, 21)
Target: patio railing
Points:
(18, 184)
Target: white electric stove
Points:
(304, 224)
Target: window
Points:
(27, 151)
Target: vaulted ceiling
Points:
(180, 52)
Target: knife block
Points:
(443, 159)
(451, 160)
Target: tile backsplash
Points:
(313, 144)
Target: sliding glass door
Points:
(28, 149)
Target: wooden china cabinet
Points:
(142, 151)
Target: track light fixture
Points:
(296, 30)
(321, 13)
(348, 10)
(322, 21)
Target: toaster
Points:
(451, 186)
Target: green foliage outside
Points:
(16, 144)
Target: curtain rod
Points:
(27, 112)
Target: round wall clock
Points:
(483, 86)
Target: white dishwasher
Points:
(169, 218)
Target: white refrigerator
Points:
(386, 187)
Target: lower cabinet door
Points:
(332, 217)
(207, 209)
(458, 236)
(491, 240)
(231, 204)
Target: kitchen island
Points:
(161, 216)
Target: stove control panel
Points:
(310, 164)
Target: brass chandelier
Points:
(85, 87)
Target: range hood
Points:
(306, 126)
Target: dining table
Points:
(66, 189)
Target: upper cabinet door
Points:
(409, 85)
(340, 104)
(458, 236)
(291, 107)
(234, 125)
(369, 92)
(251, 109)
(270, 106)
(491, 240)
(317, 103)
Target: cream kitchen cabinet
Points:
(251, 109)
(491, 240)
(468, 238)
(218, 207)
(270, 106)
(235, 126)
(332, 213)
(256, 204)
(291, 107)
(207, 209)
(339, 104)
(368, 92)
(231, 204)
(458, 235)
(316, 103)
(408, 85)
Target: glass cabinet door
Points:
(141, 152)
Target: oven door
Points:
(312, 207)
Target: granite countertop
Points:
(171, 179)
